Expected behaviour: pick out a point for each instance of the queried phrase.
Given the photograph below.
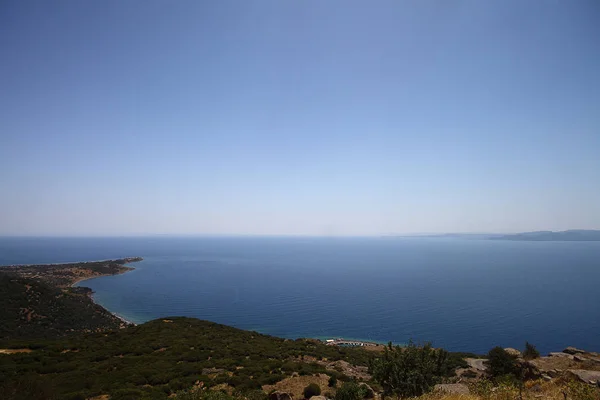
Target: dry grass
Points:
(295, 385)
(14, 351)
(533, 390)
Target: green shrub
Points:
(127, 394)
(482, 388)
(311, 390)
(501, 363)
(349, 391)
(409, 371)
(366, 391)
(332, 381)
(581, 391)
(530, 352)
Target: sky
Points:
(307, 117)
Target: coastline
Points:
(93, 300)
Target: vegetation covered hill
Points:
(65, 275)
(38, 301)
(33, 309)
(161, 357)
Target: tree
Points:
(501, 363)
(411, 370)
(530, 352)
(332, 381)
(311, 390)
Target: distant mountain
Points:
(574, 235)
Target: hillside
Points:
(39, 302)
(163, 356)
(65, 275)
(34, 309)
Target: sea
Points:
(463, 294)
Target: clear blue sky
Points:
(299, 117)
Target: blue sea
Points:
(461, 294)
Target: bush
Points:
(501, 363)
(409, 371)
(311, 390)
(366, 390)
(332, 381)
(350, 391)
(530, 352)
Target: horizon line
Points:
(381, 235)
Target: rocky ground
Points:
(549, 378)
(570, 363)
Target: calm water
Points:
(460, 294)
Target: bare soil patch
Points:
(15, 351)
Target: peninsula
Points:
(573, 235)
(40, 300)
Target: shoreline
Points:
(127, 260)
(93, 300)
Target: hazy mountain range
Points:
(577, 235)
(572, 235)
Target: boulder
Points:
(318, 398)
(530, 370)
(564, 355)
(452, 388)
(469, 373)
(546, 377)
(513, 352)
(573, 350)
(536, 388)
(477, 363)
(554, 373)
(277, 395)
(586, 376)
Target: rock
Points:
(530, 370)
(318, 398)
(513, 352)
(477, 363)
(452, 388)
(554, 373)
(546, 378)
(210, 371)
(579, 358)
(536, 388)
(280, 396)
(573, 350)
(565, 355)
(591, 377)
(467, 373)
